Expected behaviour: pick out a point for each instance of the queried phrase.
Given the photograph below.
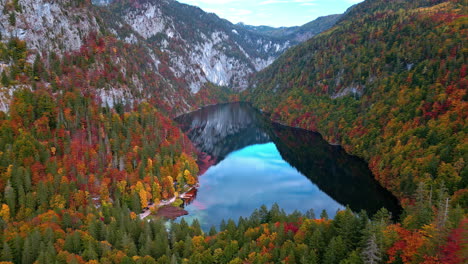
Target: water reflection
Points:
(258, 162)
(345, 178)
(249, 178)
(221, 129)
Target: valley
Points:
(339, 141)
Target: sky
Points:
(276, 13)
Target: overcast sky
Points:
(272, 12)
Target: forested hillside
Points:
(77, 173)
(389, 83)
(88, 149)
(83, 53)
(201, 47)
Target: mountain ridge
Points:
(297, 34)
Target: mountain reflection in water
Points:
(258, 162)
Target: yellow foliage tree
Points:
(143, 198)
(121, 185)
(156, 192)
(104, 193)
(189, 179)
(5, 212)
(57, 201)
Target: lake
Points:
(250, 162)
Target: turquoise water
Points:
(248, 178)
(254, 162)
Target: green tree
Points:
(5, 79)
(90, 253)
(324, 214)
(10, 198)
(6, 254)
(27, 257)
(336, 251)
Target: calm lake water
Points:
(254, 162)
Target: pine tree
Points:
(37, 68)
(196, 228)
(27, 257)
(371, 253)
(5, 79)
(222, 226)
(6, 254)
(309, 258)
(336, 251)
(129, 246)
(90, 253)
(10, 198)
(353, 258)
(12, 19)
(324, 214)
(146, 247)
(188, 247)
(264, 214)
(135, 203)
(310, 214)
(212, 231)
(50, 253)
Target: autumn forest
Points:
(84, 177)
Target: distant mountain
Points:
(389, 83)
(296, 34)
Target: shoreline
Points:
(167, 204)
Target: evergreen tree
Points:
(353, 258)
(324, 214)
(188, 247)
(10, 198)
(309, 258)
(212, 231)
(336, 251)
(5, 79)
(310, 214)
(196, 228)
(90, 253)
(371, 253)
(27, 257)
(6, 254)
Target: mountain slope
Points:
(73, 44)
(201, 47)
(204, 48)
(182, 50)
(388, 83)
(83, 150)
(51, 25)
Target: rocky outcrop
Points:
(57, 26)
(202, 47)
